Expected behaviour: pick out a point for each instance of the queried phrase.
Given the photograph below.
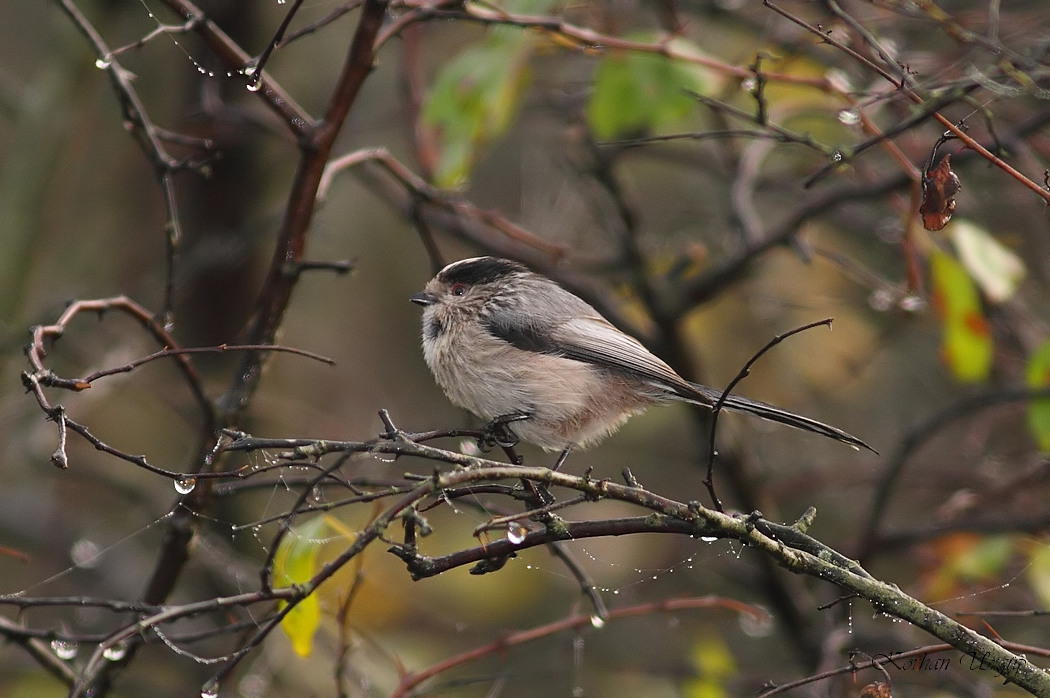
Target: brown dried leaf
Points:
(876, 690)
(939, 188)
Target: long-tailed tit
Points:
(514, 347)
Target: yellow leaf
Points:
(1038, 573)
(967, 344)
(295, 563)
(1038, 376)
(715, 666)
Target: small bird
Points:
(521, 352)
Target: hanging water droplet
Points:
(85, 553)
(839, 80)
(115, 653)
(850, 117)
(597, 621)
(256, 686)
(210, 690)
(516, 533)
(64, 649)
(469, 447)
(254, 86)
(185, 485)
(749, 84)
(881, 300)
(911, 304)
(837, 156)
(758, 625)
(709, 539)
(103, 63)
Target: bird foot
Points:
(498, 431)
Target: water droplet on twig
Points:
(516, 533)
(850, 117)
(115, 653)
(64, 649)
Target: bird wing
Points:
(591, 339)
(594, 340)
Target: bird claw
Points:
(498, 431)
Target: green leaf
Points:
(1038, 573)
(295, 563)
(636, 91)
(986, 558)
(967, 343)
(477, 94)
(995, 268)
(1038, 376)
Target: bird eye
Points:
(458, 289)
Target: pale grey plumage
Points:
(502, 340)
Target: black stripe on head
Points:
(479, 270)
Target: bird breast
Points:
(569, 402)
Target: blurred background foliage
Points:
(657, 155)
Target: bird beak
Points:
(423, 298)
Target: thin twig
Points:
(720, 403)
(575, 622)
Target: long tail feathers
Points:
(775, 414)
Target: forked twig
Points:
(720, 403)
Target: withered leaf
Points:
(939, 187)
(877, 689)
